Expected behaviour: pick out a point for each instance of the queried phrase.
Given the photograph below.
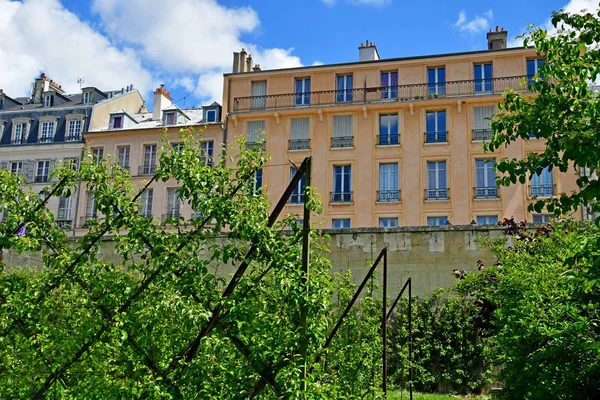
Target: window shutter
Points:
(342, 125)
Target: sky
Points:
(187, 45)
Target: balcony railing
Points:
(299, 144)
(436, 137)
(542, 190)
(73, 138)
(436, 194)
(65, 224)
(86, 220)
(18, 141)
(46, 139)
(382, 94)
(388, 140)
(147, 169)
(486, 192)
(388, 196)
(171, 218)
(256, 146)
(341, 197)
(343, 141)
(482, 134)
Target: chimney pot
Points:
(497, 28)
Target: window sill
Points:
(294, 204)
(436, 200)
(486, 198)
(387, 145)
(341, 203)
(436, 143)
(342, 148)
(378, 202)
(480, 140)
(299, 150)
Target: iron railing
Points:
(18, 141)
(388, 140)
(541, 190)
(73, 138)
(388, 196)
(383, 94)
(46, 139)
(171, 218)
(436, 137)
(482, 134)
(256, 146)
(85, 220)
(64, 224)
(299, 144)
(486, 192)
(342, 141)
(341, 197)
(436, 194)
(147, 169)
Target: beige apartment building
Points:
(133, 141)
(394, 142)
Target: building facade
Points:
(393, 141)
(40, 131)
(133, 141)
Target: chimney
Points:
(368, 52)
(497, 40)
(256, 68)
(236, 62)
(243, 60)
(162, 100)
(249, 63)
(40, 86)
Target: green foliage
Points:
(544, 303)
(564, 112)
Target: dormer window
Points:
(86, 98)
(170, 118)
(20, 128)
(74, 127)
(1, 104)
(49, 100)
(47, 129)
(211, 116)
(117, 122)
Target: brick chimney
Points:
(497, 40)
(249, 63)
(162, 100)
(41, 85)
(368, 52)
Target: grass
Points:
(426, 396)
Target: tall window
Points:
(90, 209)
(149, 166)
(340, 223)
(388, 222)
(146, 203)
(49, 101)
(298, 193)
(173, 203)
(388, 129)
(344, 88)
(303, 91)
(206, 152)
(86, 97)
(16, 167)
(533, 67)
(259, 94)
(74, 132)
(255, 132)
(483, 77)
(123, 153)
(436, 81)
(170, 118)
(485, 179)
(487, 219)
(300, 133)
(43, 171)
(65, 207)
(19, 134)
(342, 131)
(258, 182)
(47, 132)
(437, 186)
(435, 221)
(342, 184)
(389, 85)
(542, 185)
(436, 127)
(117, 122)
(98, 154)
(388, 182)
(481, 122)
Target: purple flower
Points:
(21, 231)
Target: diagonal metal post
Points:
(384, 324)
(305, 272)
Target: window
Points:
(533, 66)
(149, 165)
(297, 196)
(340, 223)
(259, 94)
(342, 184)
(43, 171)
(388, 183)
(487, 219)
(177, 147)
(47, 132)
(483, 78)
(437, 188)
(300, 134)
(481, 122)
(389, 85)
(542, 218)
(436, 221)
(436, 81)
(19, 134)
(255, 132)
(86, 97)
(98, 154)
(74, 131)
(123, 153)
(344, 88)
(342, 131)
(49, 100)
(90, 209)
(211, 116)
(542, 185)
(206, 153)
(303, 91)
(258, 182)
(63, 217)
(146, 203)
(170, 118)
(485, 179)
(72, 163)
(388, 130)
(1, 104)
(16, 167)
(117, 122)
(173, 203)
(436, 127)
(388, 222)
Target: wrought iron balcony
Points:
(147, 169)
(436, 194)
(65, 224)
(388, 196)
(73, 138)
(171, 218)
(486, 192)
(299, 144)
(382, 94)
(342, 141)
(256, 146)
(388, 140)
(436, 137)
(341, 197)
(541, 190)
(18, 141)
(46, 139)
(482, 134)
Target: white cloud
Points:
(317, 62)
(478, 24)
(41, 35)
(359, 2)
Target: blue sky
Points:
(113, 43)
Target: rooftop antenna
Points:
(80, 80)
